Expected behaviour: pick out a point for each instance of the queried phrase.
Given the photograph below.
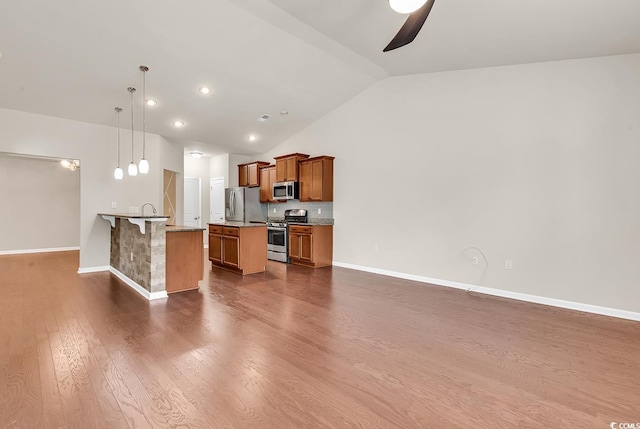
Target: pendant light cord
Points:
(118, 110)
(144, 109)
(131, 91)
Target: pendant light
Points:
(406, 6)
(144, 164)
(118, 173)
(133, 168)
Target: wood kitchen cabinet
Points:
(242, 250)
(249, 174)
(311, 246)
(316, 179)
(287, 167)
(267, 179)
(184, 258)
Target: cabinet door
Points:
(294, 246)
(281, 170)
(231, 254)
(316, 180)
(243, 176)
(265, 185)
(272, 180)
(291, 169)
(253, 178)
(215, 248)
(306, 181)
(306, 247)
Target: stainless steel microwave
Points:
(285, 191)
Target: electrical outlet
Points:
(475, 260)
(274, 210)
(113, 204)
(131, 256)
(508, 264)
(319, 211)
(133, 209)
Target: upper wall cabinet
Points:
(287, 167)
(316, 179)
(267, 178)
(249, 174)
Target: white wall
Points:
(40, 204)
(219, 167)
(95, 147)
(534, 163)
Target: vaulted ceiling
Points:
(75, 59)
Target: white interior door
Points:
(192, 203)
(217, 199)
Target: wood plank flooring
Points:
(300, 348)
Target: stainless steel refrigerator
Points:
(243, 205)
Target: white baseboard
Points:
(571, 305)
(135, 286)
(92, 269)
(26, 251)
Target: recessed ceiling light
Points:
(196, 154)
(178, 124)
(253, 138)
(264, 117)
(151, 102)
(284, 113)
(204, 90)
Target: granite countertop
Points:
(133, 216)
(310, 222)
(183, 228)
(240, 224)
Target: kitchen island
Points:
(147, 260)
(239, 247)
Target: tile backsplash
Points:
(312, 209)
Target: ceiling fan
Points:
(419, 11)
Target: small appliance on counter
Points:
(278, 234)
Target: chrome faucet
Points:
(148, 204)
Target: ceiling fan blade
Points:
(411, 27)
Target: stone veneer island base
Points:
(155, 258)
(138, 252)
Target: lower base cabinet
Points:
(184, 260)
(241, 250)
(311, 246)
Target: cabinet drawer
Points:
(234, 232)
(298, 229)
(215, 229)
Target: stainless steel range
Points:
(278, 234)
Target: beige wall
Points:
(40, 204)
(535, 163)
(95, 146)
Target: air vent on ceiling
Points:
(263, 118)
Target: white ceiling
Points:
(74, 59)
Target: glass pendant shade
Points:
(406, 6)
(143, 166)
(118, 174)
(133, 169)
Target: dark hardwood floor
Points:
(298, 348)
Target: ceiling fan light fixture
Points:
(406, 6)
